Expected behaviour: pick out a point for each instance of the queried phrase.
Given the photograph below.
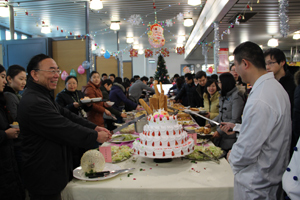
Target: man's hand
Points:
(76, 104)
(227, 127)
(99, 129)
(123, 115)
(208, 126)
(107, 112)
(12, 133)
(207, 115)
(228, 155)
(103, 136)
(216, 134)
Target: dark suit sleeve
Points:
(3, 136)
(60, 100)
(127, 101)
(296, 113)
(181, 92)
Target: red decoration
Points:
(61, 30)
(148, 53)
(164, 51)
(70, 33)
(57, 27)
(78, 36)
(180, 50)
(248, 6)
(134, 53)
(43, 22)
(26, 13)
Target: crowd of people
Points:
(258, 133)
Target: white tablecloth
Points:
(179, 179)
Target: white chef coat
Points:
(291, 177)
(260, 155)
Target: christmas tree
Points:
(161, 70)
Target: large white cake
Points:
(163, 138)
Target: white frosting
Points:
(162, 121)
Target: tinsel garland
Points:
(284, 19)
(204, 53)
(217, 44)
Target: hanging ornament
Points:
(26, 12)
(80, 69)
(165, 52)
(67, 37)
(180, 17)
(70, 33)
(135, 19)
(57, 28)
(284, 19)
(64, 75)
(107, 55)
(61, 30)
(210, 70)
(85, 64)
(73, 73)
(169, 23)
(156, 36)
(133, 52)
(16, 14)
(180, 50)
(237, 21)
(148, 53)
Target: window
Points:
(7, 35)
(24, 36)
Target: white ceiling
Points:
(69, 16)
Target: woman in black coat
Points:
(70, 97)
(10, 181)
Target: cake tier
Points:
(162, 130)
(162, 140)
(166, 152)
(162, 120)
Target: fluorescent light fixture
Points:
(141, 51)
(129, 40)
(194, 2)
(181, 39)
(273, 42)
(296, 36)
(96, 5)
(136, 46)
(115, 25)
(4, 12)
(45, 29)
(188, 22)
(231, 58)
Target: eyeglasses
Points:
(52, 71)
(271, 63)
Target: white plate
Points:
(86, 101)
(110, 103)
(14, 126)
(136, 136)
(96, 99)
(92, 100)
(79, 174)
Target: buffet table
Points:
(179, 179)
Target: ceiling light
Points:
(96, 5)
(273, 42)
(231, 58)
(4, 12)
(181, 39)
(141, 51)
(129, 40)
(136, 46)
(188, 22)
(296, 36)
(115, 25)
(194, 2)
(45, 29)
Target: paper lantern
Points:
(86, 64)
(156, 36)
(64, 75)
(73, 73)
(80, 69)
(107, 55)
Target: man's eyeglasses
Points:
(52, 71)
(271, 63)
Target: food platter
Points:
(121, 153)
(91, 100)
(126, 138)
(14, 125)
(79, 173)
(205, 136)
(216, 151)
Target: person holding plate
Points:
(70, 98)
(10, 182)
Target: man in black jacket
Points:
(49, 131)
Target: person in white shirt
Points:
(260, 156)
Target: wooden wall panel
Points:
(127, 70)
(1, 55)
(69, 54)
(108, 66)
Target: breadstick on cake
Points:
(153, 102)
(165, 103)
(161, 89)
(161, 100)
(144, 104)
(156, 89)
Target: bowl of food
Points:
(15, 125)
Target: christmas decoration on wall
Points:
(156, 36)
(210, 70)
(180, 17)
(64, 75)
(186, 70)
(148, 53)
(161, 70)
(80, 69)
(217, 44)
(169, 23)
(73, 73)
(284, 19)
(180, 50)
(135, 19)
(133, 52)
(85, 64)
(107, 55)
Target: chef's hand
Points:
(99, 129)
(228, 155)
(107, 112)
(138, 107)
(12, 133)
(225, 126)
(216, 134)
(103, 136)
(208, 126)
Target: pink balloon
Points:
(64, 75)
(80, 69)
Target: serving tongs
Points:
(105, 173)
(194, 113)
(213, 158)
